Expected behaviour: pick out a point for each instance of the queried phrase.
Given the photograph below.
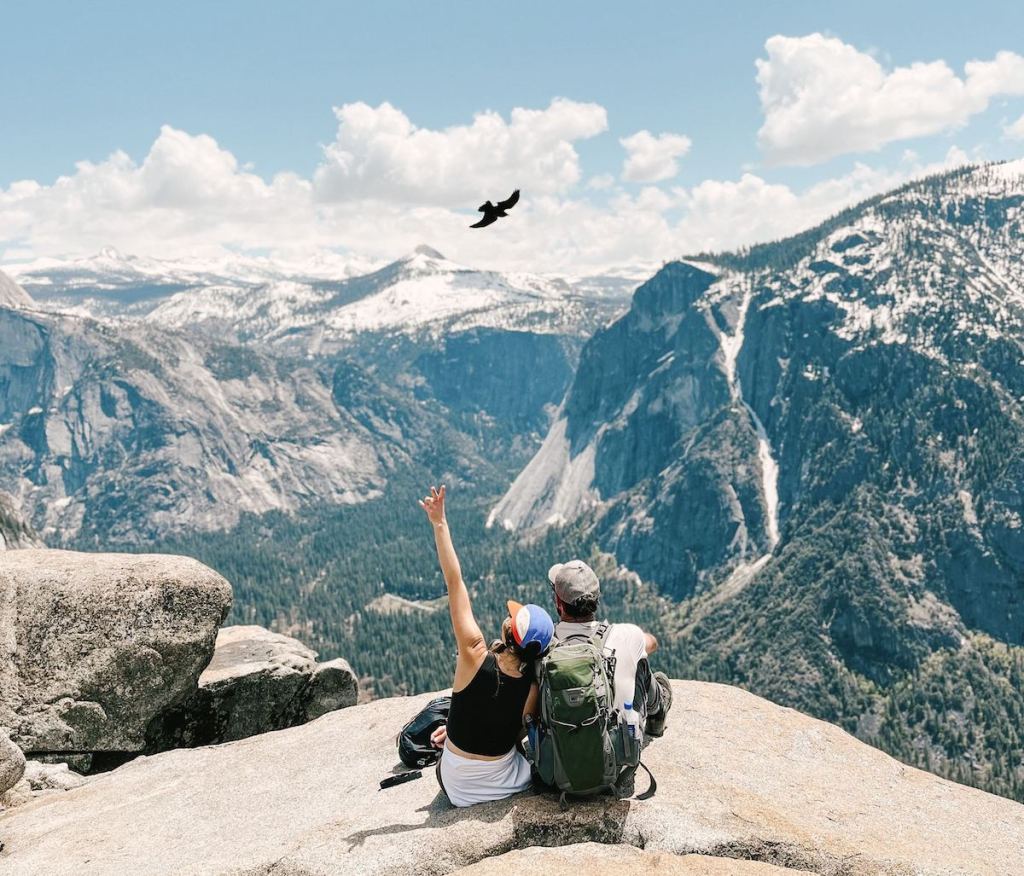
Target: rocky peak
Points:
(11, 294)
(428, 251)
(670, 291)
(110, 253)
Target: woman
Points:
(493, 691)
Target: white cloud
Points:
(575, 234)
(187, 196)
(724, 214)
(601, 182)
(651, 158)
(190, 197)
(380, 153)
(822, 97)
(1015, 130)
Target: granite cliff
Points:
(745, 787)
(816, 447)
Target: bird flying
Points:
(492, 212)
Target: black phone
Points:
(401, 778)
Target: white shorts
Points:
(467, 781)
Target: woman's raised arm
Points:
(467, 631)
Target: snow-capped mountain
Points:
(934, 264)
(422, 295)
(745, 400)
(318, 308)
(250, 391)
(817, 446)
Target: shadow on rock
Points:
(537, 820)
(439, 813)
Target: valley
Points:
(799, 465)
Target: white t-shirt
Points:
(629, 646)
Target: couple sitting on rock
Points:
(497, 707)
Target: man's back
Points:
(626, 641)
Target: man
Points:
(577, 596)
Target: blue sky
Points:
(82, 81)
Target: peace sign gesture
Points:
(434, 505)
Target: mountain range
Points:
(141, 399)
(800, 464)
(323, 306)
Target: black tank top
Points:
(486, 716)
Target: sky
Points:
(637, 132)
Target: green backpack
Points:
(579, 746)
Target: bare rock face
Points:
(12, 763)
(740, 780)
(257, 681)
(15, 531)
(11, 294)
(94, 646)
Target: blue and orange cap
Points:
(530, 624)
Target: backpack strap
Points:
(652, 788)
(597, 637)
(601, 634)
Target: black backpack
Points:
(414, 746)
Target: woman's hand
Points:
(472, 648)
(434, 505)
(438, 737)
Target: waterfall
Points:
(731, 346)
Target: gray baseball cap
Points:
(573, 580)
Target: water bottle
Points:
(532, 739)
(632, 721)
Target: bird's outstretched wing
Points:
(510, 202)
(486, 220)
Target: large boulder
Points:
(738, 778)
(12, 763)
(257, 681)
(94, 646)
(41, 778)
